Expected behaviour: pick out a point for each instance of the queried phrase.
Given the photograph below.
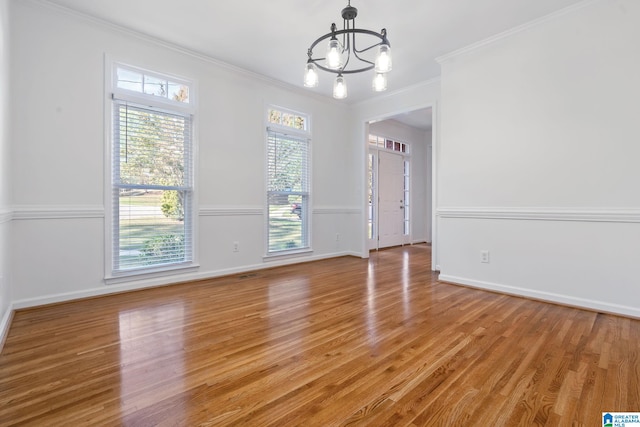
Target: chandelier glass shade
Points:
(343, 55)
(379, 83)
(339, 87)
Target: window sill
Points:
(287, 254)
(150, 273)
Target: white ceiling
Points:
(272, 37)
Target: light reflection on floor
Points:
(146, 343)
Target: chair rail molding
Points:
(35, 212)
(5, 216)
(626, 215)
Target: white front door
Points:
(391, 199)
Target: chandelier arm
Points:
(340, 71)
(353, 31)
(317, 61)
(345, 36)
(346, 62)
(349, 37)
(383, 37)
(367, 48)
(355, 53)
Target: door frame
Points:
(364, 138)
(374, 244)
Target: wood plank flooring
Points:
(345, 341)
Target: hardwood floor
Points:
(346, 341)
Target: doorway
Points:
(400, 179)
(389, 199)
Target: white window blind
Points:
(151, 187)
(287, 191)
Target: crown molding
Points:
(506, 34)
(185, 51)
(397, 92)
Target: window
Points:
(288, 119)
(142, 82)
(287, 182)
(151, 174)
(389, 144)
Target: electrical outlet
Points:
(236, 246)
(484, 256)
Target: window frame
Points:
(372, 191)
(301, 134)
(407, 202)
(161, 105)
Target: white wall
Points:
(5, 170)
(419, 173)
(59, 144)
(538, 160)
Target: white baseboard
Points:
(134, 285)
(568, 300)
(5, 324)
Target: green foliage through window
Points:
(151, 176)
(287, 119)
(163, 249)
(287, 192)
(172, 204)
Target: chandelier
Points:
(343, 56)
